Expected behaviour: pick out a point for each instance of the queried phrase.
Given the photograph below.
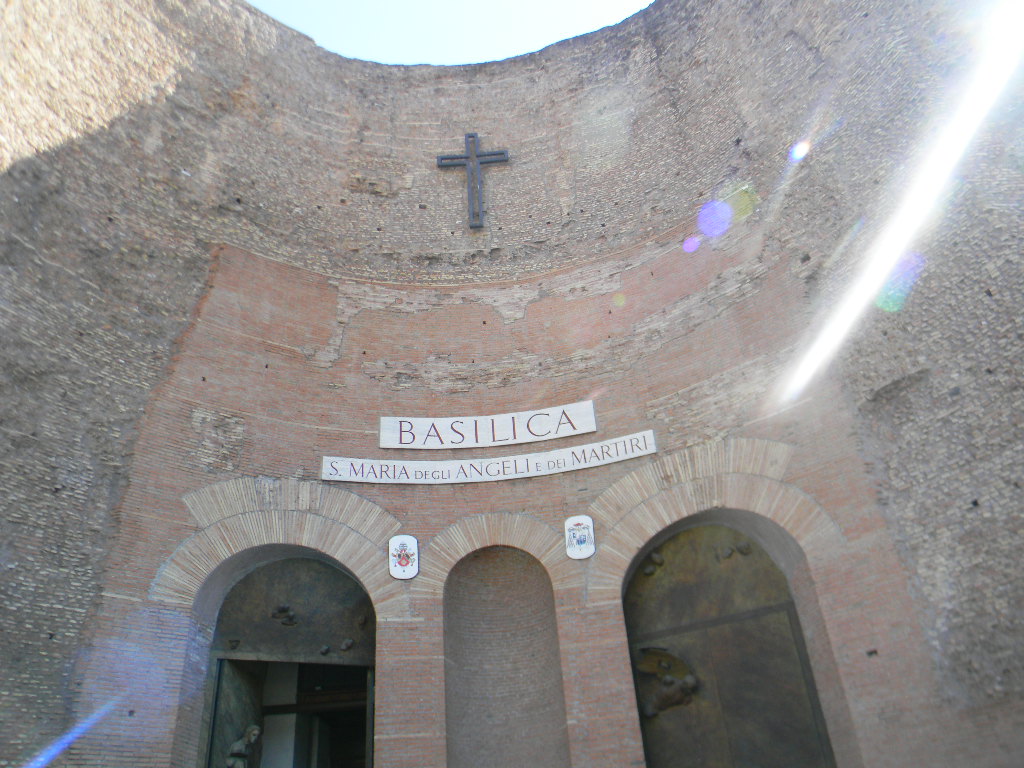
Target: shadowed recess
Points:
(503, 678)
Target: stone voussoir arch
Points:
(250, 512)
(738, 473)
(521, 531)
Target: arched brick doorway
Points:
(722, 674)
(293, 653)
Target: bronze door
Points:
(722, 675)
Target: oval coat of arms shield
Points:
(403, 556)
(579, 537)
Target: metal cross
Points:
(473, 159)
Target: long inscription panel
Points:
(348, 470)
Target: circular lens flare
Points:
(619, 299)
(691, 244)
(743, 200)
(714, 218)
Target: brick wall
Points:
(226, 253)
(504, 702)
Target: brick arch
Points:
(740, 455)
(740, 474)
(249, 513)
(523, 532)
(785, 505)
(737, 483)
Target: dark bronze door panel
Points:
(711, 604)
(689, 735)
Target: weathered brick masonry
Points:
(225, 253)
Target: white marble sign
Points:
(403, 556)
(349, 470)
(579, 537)
(485, 431)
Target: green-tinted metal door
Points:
(722, 676)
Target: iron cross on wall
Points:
(473, 159)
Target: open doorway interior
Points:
(309, 715)
(291, 670)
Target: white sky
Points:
(444, 31)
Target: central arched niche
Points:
(504, 703)
(293, 653)
(722, 674)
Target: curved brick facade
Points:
(225, 253)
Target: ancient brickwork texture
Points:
(502, 666)
(224, 253)
(939, 392)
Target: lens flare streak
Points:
(897, 287)
(1001, 53)
(50, 753)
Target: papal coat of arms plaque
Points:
(579, 537)
(403, 556)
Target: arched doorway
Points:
(722, 675)
(293, 653)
